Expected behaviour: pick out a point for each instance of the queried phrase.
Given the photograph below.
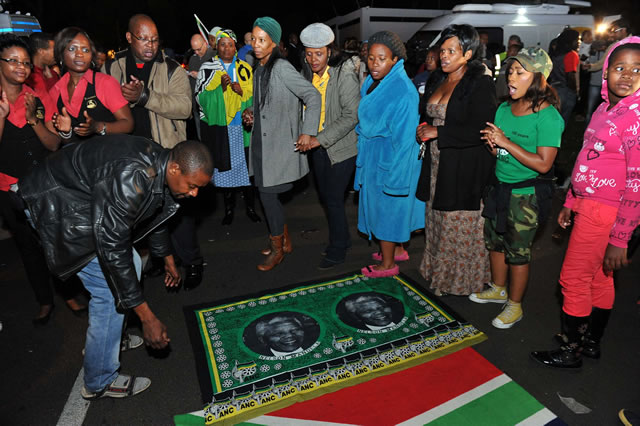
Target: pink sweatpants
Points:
(583, 280)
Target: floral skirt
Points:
(455, 259)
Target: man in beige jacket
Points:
(159, 95)
(155, 85)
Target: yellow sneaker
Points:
(511, 314)
(494, 294)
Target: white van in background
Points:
(536, 25)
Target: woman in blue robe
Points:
(387, 166)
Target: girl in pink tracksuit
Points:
(605, 197)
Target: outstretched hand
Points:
(89, 127)
(132, 91)
(153, 330)
(155, 333)
(172, 276)
(62, 122)
(494, 136)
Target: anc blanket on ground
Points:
(263, 353)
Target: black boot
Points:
(250, 202)
(561, 337)
(229, 198)
(192, 276)
(568, 356)
(591, 342)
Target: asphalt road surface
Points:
(40, 366)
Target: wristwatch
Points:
(104, 130)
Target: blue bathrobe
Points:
(387, 167)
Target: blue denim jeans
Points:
(102, 348)
(568, 99)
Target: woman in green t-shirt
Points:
(525, 139)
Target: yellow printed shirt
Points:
(320, 83)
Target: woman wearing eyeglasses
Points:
(88, 103)
(27, 136)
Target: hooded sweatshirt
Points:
(607, 169)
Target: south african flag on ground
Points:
(460, 389)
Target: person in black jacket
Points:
(461, 99)
(90, 203)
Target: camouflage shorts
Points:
(522, 224)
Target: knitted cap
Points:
(317, 35)
(534, 59)
(269, 26)
(392, 41)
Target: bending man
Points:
(90, 203)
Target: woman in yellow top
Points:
(333, 151)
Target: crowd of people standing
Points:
(445, 154)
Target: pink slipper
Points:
(399, 258)
(368, 271)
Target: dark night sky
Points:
(106, 20)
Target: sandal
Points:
(398, 257)
(122, 387)
(369, 271)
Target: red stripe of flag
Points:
(400, 396)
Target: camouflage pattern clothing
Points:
(522, 224)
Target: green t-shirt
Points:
(542, 128)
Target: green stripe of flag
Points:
(506, 405)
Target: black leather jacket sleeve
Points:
(117, 203)
(158, 241)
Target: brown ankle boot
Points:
(276, 254)
(286, 245)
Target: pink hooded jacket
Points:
(607, 169)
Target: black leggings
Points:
(273, 211)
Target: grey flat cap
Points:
(317, 35)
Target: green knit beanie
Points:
(269, 26)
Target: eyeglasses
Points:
(617, 30)
(15, 62)
(146, 40)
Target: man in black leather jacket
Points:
(90, 203)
